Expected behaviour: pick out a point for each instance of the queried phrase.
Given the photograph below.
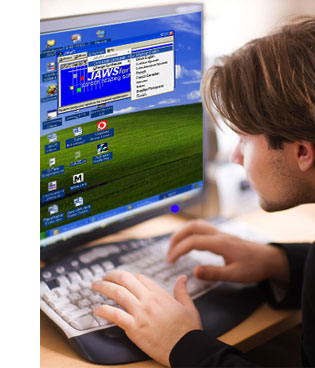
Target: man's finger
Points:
(151, 285)
(128, 281)
(200, 242)
(181, 293)
(194, 227)
(121, 318)
(121, 295)
(215, 273)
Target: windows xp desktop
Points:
(121, 120)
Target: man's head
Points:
(265, 92)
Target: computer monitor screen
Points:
(121, 121)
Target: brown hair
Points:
(268, 86)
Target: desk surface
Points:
(296, 224)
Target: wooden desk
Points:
(293, 225)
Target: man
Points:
(266, 93)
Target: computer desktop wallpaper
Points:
(138, 150)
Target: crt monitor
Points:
(121, 120)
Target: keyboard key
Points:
(47, 275)
(102, 321)
(62, 281)
(97, 270)
(124, 247)
(97, 298)
(84, 303)
(74, 297)
(84, 323)
(85, 284)
(60, 269)
(72, 315)
(50, 296)
(61, 291)
(64, 309)
(86, 292)
(74, 277)
(43, 288)
(101, 252)
(108, 265)
(98, 252)
(86, 274)
(73, 288)
(59, 302)
(111, 302)
(134, 244)
(75, 263)
(86, 258)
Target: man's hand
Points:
(245, 261)
(152, 319)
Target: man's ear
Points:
(305, 154)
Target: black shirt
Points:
(198, 349)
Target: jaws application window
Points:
(132, 69)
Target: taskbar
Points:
(51, 236)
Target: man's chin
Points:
(274, 206)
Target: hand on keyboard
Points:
(70, 300)
(150, 316)
(245, 261)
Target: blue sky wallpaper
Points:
(188, 49)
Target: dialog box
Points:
(130, 69)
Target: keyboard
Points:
(66, 293)
(67, 299)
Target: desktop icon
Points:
(51, 114)
(77, 155)
(100, 33)
(53, 209)
(52, 186)
(78, 178)
(77, 131)
(76, 38)
(51, 66)
(52, 137)
(50, 43)
(78, 201)
(51, 90)
(102, 148)
(102, 125)
(52, 161)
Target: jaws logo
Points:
(103, 74)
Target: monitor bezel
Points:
(59, 248)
